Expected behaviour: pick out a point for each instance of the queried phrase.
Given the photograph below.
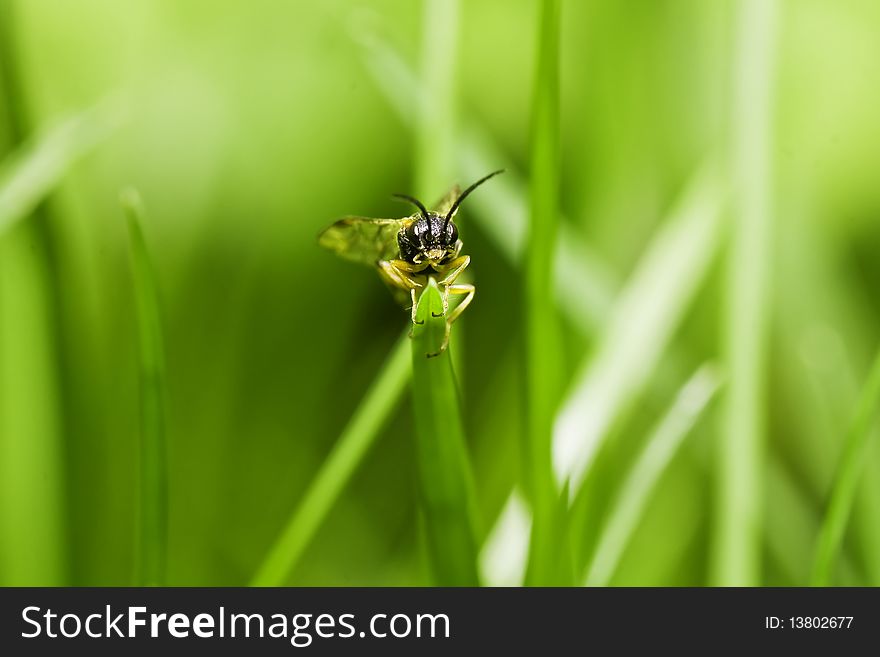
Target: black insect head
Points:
(432, 236)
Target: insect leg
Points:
(409, 267)
(399, 274)
(452, 271)
(412, 294)
(469, 291)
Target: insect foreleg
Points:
(397, 275)
(469, 291)
(453, 270)
(412, 294)
(409, 267)
(400, 274)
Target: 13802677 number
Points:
(821, 622)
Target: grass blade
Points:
(445, 481)
(542, 358)
(32, 532)
(31, 173)
(795, 522)
(358, 436)
(846, 482)
(153, 525)
(505, 551)
(436, 117)
(642, 322)
(32, 529)
(33, 536)
(635, 491)
(502, 211)
(737, 541)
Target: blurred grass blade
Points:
(393, 76)
(153, 526)
(32, 533)
(501, 208)
(33, 541)
(358, 436)
(636, 490)
(847, 479)
(435, 135)
(27, 176)
(644, 319)
(506, 549)
(445, 481)
(735, 560)
(502, 211)
(793, 517)
(542, 333)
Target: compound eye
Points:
(410, 234)
(452, 232)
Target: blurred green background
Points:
(248, 127)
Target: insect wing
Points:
(362, 239)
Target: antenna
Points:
(464, 195)
(416, 202)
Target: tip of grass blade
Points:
(34, 170)
(153, 522)
(131, 201)
(429, 329)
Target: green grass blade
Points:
(737, 542)
(795, 520)
(33, 541)
(502, 212)
(435, 135)
(445, 481)
(33, 536)
(643, 321)
(32, 533)
(847, 479)
(543, 359)
(639, 484)
(153, 517)
(27, 176)
(505, 551)
(358, 436)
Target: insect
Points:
(407, 252)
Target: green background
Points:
(248, 127)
